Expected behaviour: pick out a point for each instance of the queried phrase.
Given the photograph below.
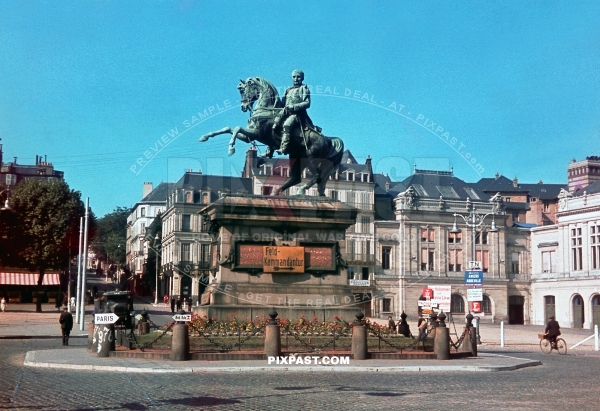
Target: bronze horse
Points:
(308, 148)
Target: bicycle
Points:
(546, 346)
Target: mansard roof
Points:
(593, 188)
(433, 184)
(159, 194)
(199, 181)
(499, 184)
(544, 191)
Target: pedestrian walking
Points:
(3, 304)
(66, 324)
(172, 304)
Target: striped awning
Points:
(28, 279)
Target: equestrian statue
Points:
(297, 137)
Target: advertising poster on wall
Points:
(435, 298)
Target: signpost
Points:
(474, 294)
(360, 283)
(283, 259)
(182, 317)
(474, 277)
(109, 318)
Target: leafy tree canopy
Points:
(111, 236)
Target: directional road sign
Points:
(109, 318)
(182, 317)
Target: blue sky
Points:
(481, 86)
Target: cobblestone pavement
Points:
(567, 380)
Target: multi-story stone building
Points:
(566, 261)
(143, 213)
(13, 173)
(186, 242)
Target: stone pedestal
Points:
(241, 282)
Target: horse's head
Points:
(249, 92)
(258, 89)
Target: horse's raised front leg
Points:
(224, 130)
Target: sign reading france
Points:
(474, 277)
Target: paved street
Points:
(565, 380)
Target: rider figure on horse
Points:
(296, 100)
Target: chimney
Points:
(147, 189)
(0, 153)
(37, 159)
(515, 182)
(387, 186)
(369, 165)
(497, 176)
(15, 162)
(250, 162)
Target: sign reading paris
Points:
(283, 259)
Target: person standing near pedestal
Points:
(3, 304)
(66, 324)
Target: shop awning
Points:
(28, 279)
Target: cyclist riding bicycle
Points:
(552, 331)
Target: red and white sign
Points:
(427, 294)
(476, 307)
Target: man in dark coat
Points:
(552, 331)
(66, 324)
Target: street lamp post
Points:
(156, 245)
(473, 221)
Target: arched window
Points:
(486, 304)
(457, 304)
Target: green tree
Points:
(47, 217)
(111, 236)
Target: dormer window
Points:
(350, 176)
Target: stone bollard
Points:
(469, 343)
(441, 342)
(106, 339)
(180, 344)
(273, 336)
(143, 325)
(359, 338)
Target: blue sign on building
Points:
(474, 277)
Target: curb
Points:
(31, 362)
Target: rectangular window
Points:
(454, 238)
(350, 273)
(387, 305)
(548, 261)
(267, 190)
(455, 260)
(595, 246)
(143, 211)
(205, 253)
(428, 235)
(427, 259)
(576, 249)
(514, 262)
(484, 257)
(186, 220)
(185, 252)
(386, 254)
(481, 237)
(205, 223)
(334, 195)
